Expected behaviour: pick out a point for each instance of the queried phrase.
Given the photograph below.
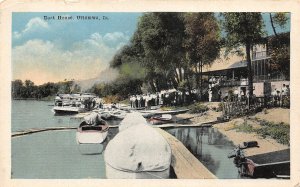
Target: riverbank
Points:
(246, 128)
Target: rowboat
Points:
(161, 119)
(88, 134)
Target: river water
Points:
(56, 155)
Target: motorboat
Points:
(60, 110)
(73, 103)
(267, 165)
(88, 134)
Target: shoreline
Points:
(34, 99)
(266, 145)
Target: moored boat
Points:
(73, 103)
(150, 113)
(88, 134)
(161, 119)
(67, 110)
(268, 165)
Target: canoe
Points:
(91, 134)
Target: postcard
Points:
(184, 92)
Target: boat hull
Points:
(155, 121)
(271, 164)
(91, 136)
(67, 110)
(149, 113)
(112, 173)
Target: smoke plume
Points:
(106, 76)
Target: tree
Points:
(160, 36)
(202, 42)
(279, 47)
(243, 29)
(17, 88)
(280, 19)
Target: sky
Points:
(51, 50)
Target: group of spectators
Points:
(166, 98)
(281, 97)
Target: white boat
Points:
(137, 152)
(67, 110)
(112, 114)
(71, 103)
(88, 134)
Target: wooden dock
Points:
(185, 164)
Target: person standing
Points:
(138, 101)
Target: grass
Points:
(278, 131)
(245, 127)
(197, 108)
(194, 108)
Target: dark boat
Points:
(268, 165)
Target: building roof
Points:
(230, 61)
(240, 64)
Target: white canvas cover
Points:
(138, 148)
(131, 119)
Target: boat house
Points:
(229, 74)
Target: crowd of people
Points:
(166, 98)
(281, 97)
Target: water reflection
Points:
(210, 147)
(96, 149)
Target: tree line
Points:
(27, 89)
(169, 50)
